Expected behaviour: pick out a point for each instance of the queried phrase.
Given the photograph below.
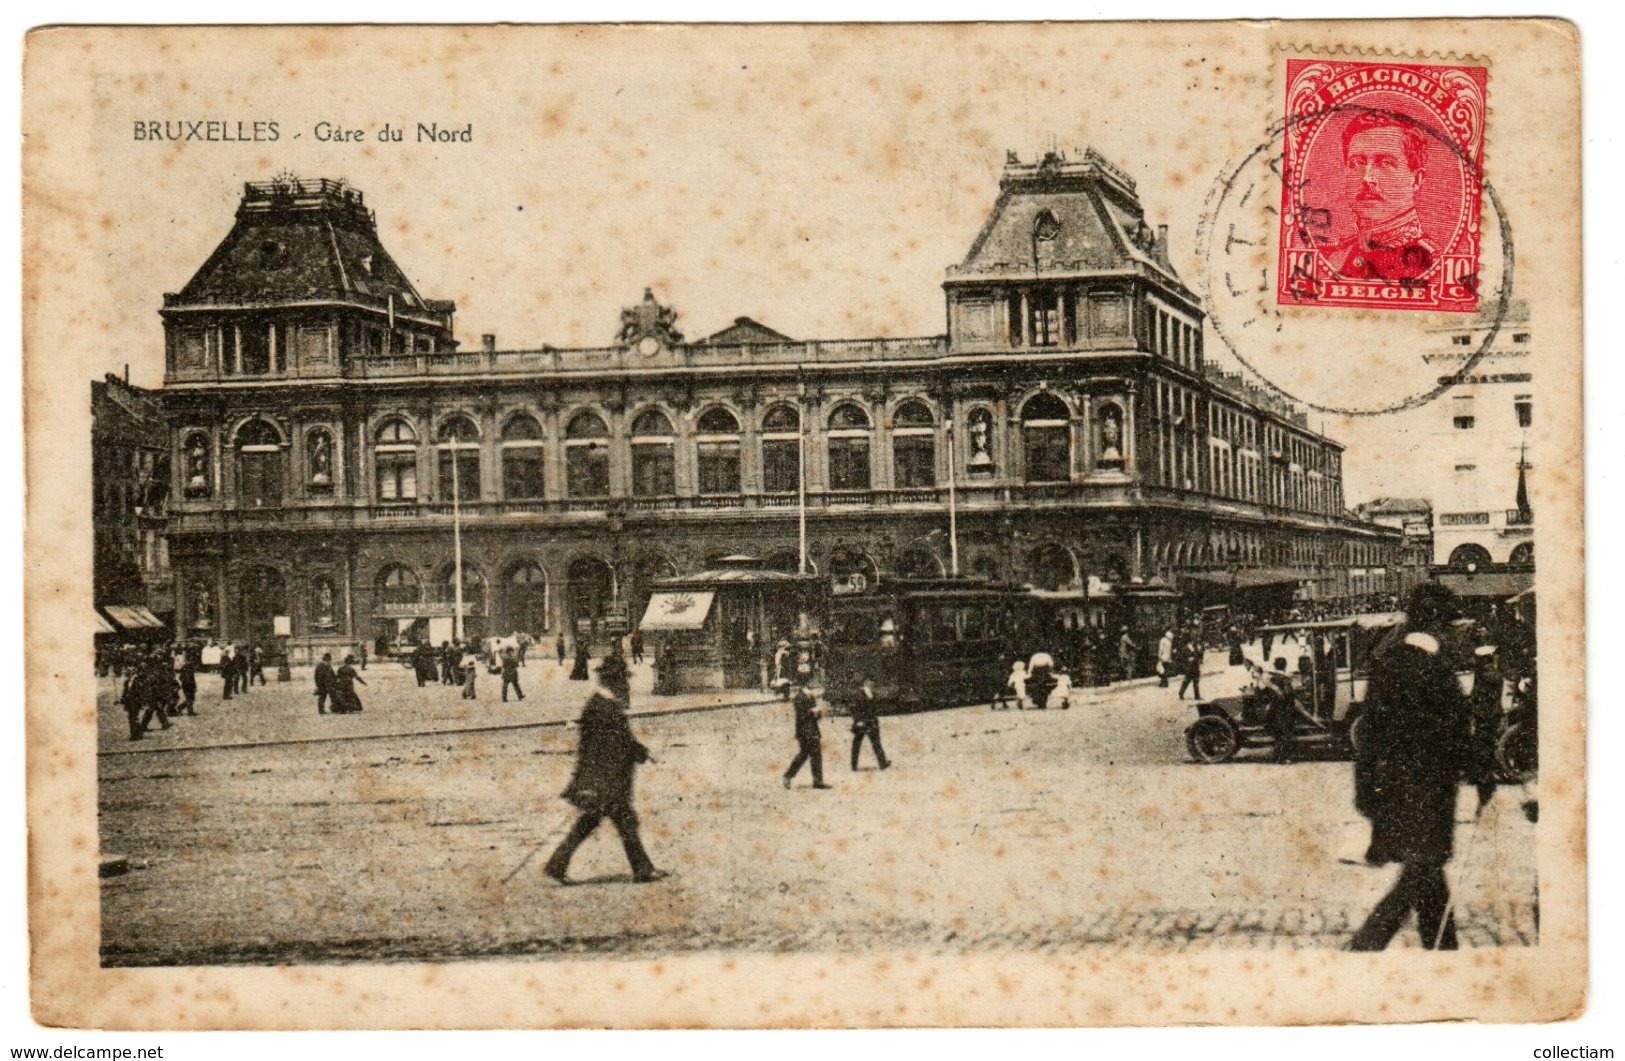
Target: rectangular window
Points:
(849, 464)
(468, 476)
(587, 470)
(781, 466)
(915, 458)
(397, 476)
(1525, 410)
(1464, 423)
(1520, 337)
(256, 349)
(1048, 455)
(653, 470)
(1046, 319)
(719, 467)
(522, 475)
(1462, 340)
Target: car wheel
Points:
(1212, 739)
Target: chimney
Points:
(1162, 243)
(488, 343)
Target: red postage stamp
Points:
(1381, 185)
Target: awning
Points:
(132, 617)
(680, 610)
(1253, 577)
(1487, 583)
(102, 625)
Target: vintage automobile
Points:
(1312, 707)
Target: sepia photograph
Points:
(804, 525)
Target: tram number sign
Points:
(856, 582)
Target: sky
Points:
(817, 180)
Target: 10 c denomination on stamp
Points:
(1381, 185)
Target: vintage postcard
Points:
(804, 526)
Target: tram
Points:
(923, 643)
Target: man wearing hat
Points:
(601, 787)
(1417, 744)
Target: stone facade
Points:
(1067, 418)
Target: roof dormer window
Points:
(273, 254)
(1046, 227)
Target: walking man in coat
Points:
(510, 673)
(601, 787)
(324, 684)
(809, 744)
(866, 723)
(1416, 746)
(186, 674)
(1191, 662)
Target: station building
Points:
(324, 423)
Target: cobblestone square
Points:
(259, 832)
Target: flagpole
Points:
(801, 474)
(456, 548)
(953, 515)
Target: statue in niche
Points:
(324, 602)
(1111, 437)
(981, 440)
(321, 459)
(197, 466)
(202, 607)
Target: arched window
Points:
(397, 585)
(654, 465)
(459, 445)
(319, 460)
(259, 465)
(848, 448)
(395, 461)
(717, 445)
(1524, 554)
(527, 599)
(1463, 555)
(781, 450)
(586, 456)
(914, 446)
(522, 475)
(1052, 567)
(1046, 439)
(199, 480)
(475, 598)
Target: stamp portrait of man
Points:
(1384, 161)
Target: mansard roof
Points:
(1058, 217)
(301, 241)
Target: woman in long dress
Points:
(470, 672)
(583, 661)
(346, 700)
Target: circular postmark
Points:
(1338, 359)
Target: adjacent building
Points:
(1484, 525)
(130, 483)
(327, 432)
